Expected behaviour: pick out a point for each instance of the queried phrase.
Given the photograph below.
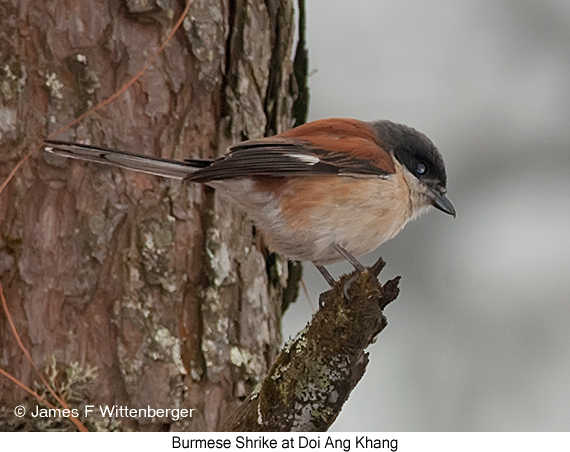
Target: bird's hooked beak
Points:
(440, 201)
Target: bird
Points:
(325, 191)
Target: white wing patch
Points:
(305, 158)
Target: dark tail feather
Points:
(151, 165)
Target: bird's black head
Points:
(417, 153)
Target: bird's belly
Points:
(358, 213)
(360, 226)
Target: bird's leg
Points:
(355, 263)
(349, 257)
(328, 277)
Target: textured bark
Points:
(315, 373)
(161, 288)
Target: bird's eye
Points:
(421, 168)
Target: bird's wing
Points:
(280, 157)
(347, 148)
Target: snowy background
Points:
(479, 338)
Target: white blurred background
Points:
(479, 338)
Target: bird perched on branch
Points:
(325, 191)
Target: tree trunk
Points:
(167, 293)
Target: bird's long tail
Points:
(151, 165)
